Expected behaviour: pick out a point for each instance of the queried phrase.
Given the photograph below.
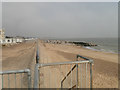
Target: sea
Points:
(104, 44)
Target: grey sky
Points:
(61, 20)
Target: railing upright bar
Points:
(15, 80)
(49, 77)
(61, 85)
(81, 76)
(77, 74)
(21, 80)
(36, 77)
(66, 71)
(2, 81)
(39, 78)
(55, 80)
(29, 78)
(71, 76)
(60, 72)
(50, 80)
(8, 81)
(37, 54)
(86, 75)
(37, 72)
(90, 76)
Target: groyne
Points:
(77, 43)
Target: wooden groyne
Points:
(82, 43)
(78, 43)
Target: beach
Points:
(22, 56)
(18, 57)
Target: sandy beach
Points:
(22, 56)
(18, 57)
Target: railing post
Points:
(77, 74)
(27, 71)
(91, 62)
(36, 77)
(29, 78)
(61, 85)
(37, 54)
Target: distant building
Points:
(9, 40)
(19, 39)
(2, 36)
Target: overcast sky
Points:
(60, 20)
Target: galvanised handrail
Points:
(91, 63)
(37, 66)
(83, 58)
(76, 66)
(36, 72)
(36, 77)
(37, 53)
(16, 72)
(63, 63)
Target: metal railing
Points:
(71, 72)
(58, 71)
(37, 53)
(80, 69)
(17, 79)
(91, 63)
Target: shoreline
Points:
(95, 53)
(102, 50)
(84, 44)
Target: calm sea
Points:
(104, 44)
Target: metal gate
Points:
(80, 74)
(16, 79)
(64, 74)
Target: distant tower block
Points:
(2, 34)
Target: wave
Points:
(100, 49)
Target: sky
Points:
(60, 19)
(60, 0)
